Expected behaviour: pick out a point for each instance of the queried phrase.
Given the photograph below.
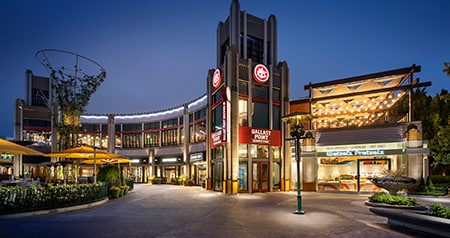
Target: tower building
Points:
(247, 96)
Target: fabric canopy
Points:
(108, 161)
(83, 152)
(13, 148)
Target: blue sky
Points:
(157, 53)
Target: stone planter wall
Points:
(415, 221)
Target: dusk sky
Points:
(157, 52)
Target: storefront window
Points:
(132, 140)
(200, 131)
(217, 118)
(169, 137)
(276, 175)
(118, 141)
(218, 153)
(260, 116)
(276, 152)
(341, 174)
(260, 151)
(243, 175)
(276, 95)
(181, 131)
(261, 92)
(151, 126)
(218, 176)
(243, 153)
(276, 117)
(243, 120)
(243, 88)
(191, 134)
(151, 139)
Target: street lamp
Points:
(297, 133)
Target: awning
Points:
(360, 136)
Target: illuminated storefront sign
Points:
(216, 139)
(224, 122)
(258, 136)
(360, 150)
(261, 74)
(196, 157)
(217, 78)
(355, 153)
(169, 160)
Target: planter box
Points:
(415, 221)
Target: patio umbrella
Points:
(13, 148)
(85, 152)
(119, 160)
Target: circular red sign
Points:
(261, 73)
(217, 78)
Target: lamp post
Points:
(297, 133)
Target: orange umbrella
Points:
(13, 148)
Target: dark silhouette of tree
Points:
(446, 70)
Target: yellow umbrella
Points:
(107, 161)
(13, 148)
(85, 152)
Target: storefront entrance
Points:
(260, 179)
(351, 173)
(368, 169)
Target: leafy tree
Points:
(72, 96)
(446, 70)
(440, 143)
(440, 149)
(422, 110)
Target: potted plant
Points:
(150, 179)
(125, 189)
(114, 191)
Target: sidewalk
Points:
(178, 211)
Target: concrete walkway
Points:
(178, 211)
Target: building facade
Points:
(357, 135)
(247, 94)
(167, 144)
(233, 139)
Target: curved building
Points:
(167, 143)
(233, 138)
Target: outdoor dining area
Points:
(67, 178)
(71, 166)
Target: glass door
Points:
(260, 179)
(368, 169)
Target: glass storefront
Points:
(350, 173)
(243, 173)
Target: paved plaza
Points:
(178, 211)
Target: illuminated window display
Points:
(341, 173)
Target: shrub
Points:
(439, 211)
(392, 199)
(36, 197)
(442, 181)
(109, 174)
